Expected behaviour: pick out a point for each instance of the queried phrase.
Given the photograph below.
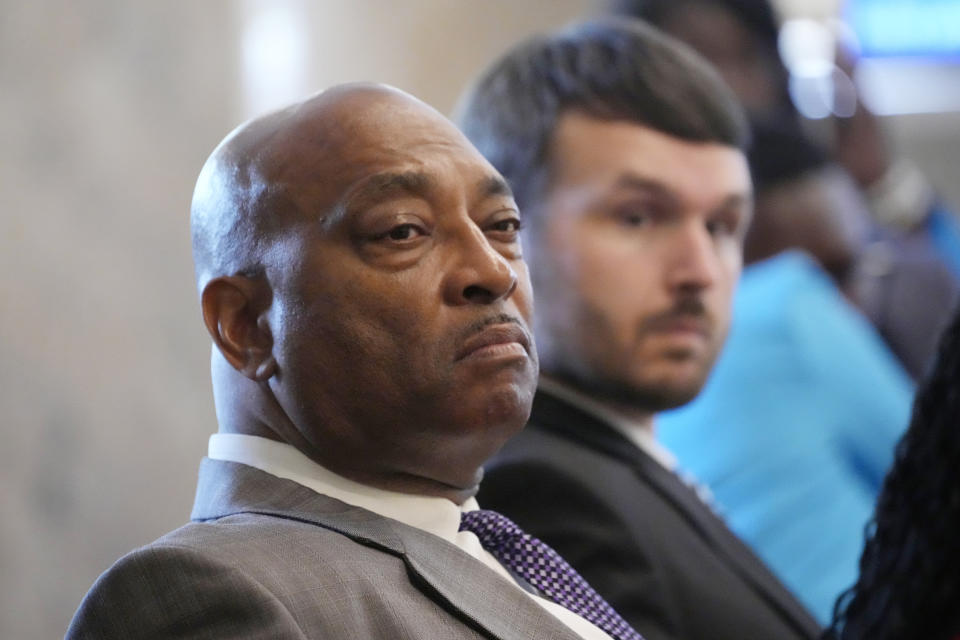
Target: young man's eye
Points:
(634, 218)
(723, 226)
(716, 227)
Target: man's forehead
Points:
(586, 144)
(340, 119)
(314, 153)
(361, 134)
(386, 184)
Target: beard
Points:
(645, 396)
(595, 361)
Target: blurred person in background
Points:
(908, 235)
(808, 396)
(809, 438)
(909, 582)
(796, 426)
(625, 151)
(803, 200)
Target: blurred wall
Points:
(932, 140)
(107, 111)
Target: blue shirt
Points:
(796, 426)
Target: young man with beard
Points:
(625, 152)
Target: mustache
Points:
(478, 334)
(499, 318)
(689, 309)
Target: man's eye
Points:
(509, 225)
(403, 232)
(721, 227)
(634, 218)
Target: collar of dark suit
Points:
(565, 418)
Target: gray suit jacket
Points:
(268, 558)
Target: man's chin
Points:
(655, 396)
(674, 384)
(659, 399)
(496, 412)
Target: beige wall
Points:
(107, 110)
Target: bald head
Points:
(353, 251)
(263, 175)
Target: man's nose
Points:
(693, 263)
(480, 274)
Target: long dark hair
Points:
(909, 584)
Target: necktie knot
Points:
(542, 567)
(491, 528)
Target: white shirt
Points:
(435, 515)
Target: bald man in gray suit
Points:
(360, 275)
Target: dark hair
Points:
(909, 583)
(780, 152)
(610, 68)
(756, 15)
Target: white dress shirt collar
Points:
(438, 516)
(435, 515)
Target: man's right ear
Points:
(234, 310)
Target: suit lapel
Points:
(571, 422)
(448, 574)
(479, 593)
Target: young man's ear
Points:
(234, 310)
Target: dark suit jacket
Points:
(268, 558)
(637, 533)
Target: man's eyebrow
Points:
(494, 185)
(388, 184)
(634, 182)
(736, 201)
(660, 190)
(640, 183)
(382, 186)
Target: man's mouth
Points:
(504, 339)
(681, 324)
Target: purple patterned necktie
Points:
(543, 568)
